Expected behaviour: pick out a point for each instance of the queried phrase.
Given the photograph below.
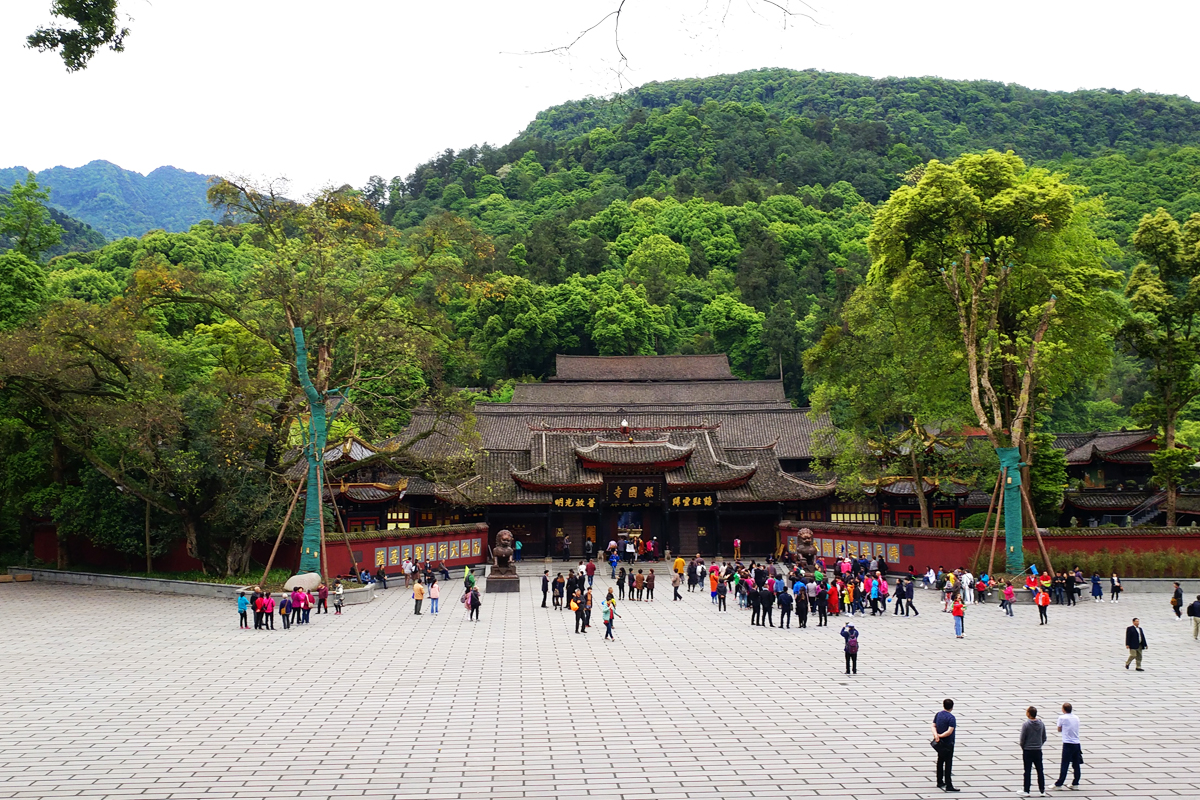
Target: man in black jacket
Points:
(1135, 641)
(768, 602)
(1194, 613)
(545, 586)
(785, 609)
(755, 601)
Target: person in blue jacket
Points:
(243, 606)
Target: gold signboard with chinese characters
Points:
(694, 500)
(631, 493)
(586, 503)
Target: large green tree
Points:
(1003, 255)
(1164, 330)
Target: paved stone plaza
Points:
(115, 694)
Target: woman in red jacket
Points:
(1042, 600)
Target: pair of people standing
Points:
(1033, 736)
(420, 592)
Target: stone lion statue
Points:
(502, 554)
(806, 549)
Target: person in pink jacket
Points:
(1009, 596)
(297, 605)
(434, 593)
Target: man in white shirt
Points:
(1072, 752)
(968, 587)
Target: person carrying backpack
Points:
(474, 602)
(850, 634)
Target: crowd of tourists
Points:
(294, 607)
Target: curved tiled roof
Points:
(642, 368)
(635, 452)
(1112, 500)
(792, 430)
(578, 393)
(1082, 448)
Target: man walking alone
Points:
(1135, 642)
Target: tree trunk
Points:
(919, 480)
(191, 532)
(149, 558)
(236, 555)
(58, 468)
(1026, 462)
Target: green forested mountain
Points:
(77, 237)
(760, 187)
(738, 138)
(119, 202)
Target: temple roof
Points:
(573, 393)
(633, 453)
(348, 450)
(1083, 448)
(643, 368)
(506, 426)
(1106, 500)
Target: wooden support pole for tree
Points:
(287, 518)
(996, 529)
(337, 515)
(986, 521)
(1037, 531)
(321, 512)
(149, 560)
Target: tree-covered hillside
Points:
(737, 205)
(77, 237)
(119, 202)
(739, 138)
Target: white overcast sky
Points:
(333, 91)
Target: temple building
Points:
(674, 449)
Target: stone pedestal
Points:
(502, 583)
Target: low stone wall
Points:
(219, 591)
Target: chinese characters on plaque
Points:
(380, 556)
(633, 494)
(575, 502)
(694, 501)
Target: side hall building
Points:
(672, 448)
